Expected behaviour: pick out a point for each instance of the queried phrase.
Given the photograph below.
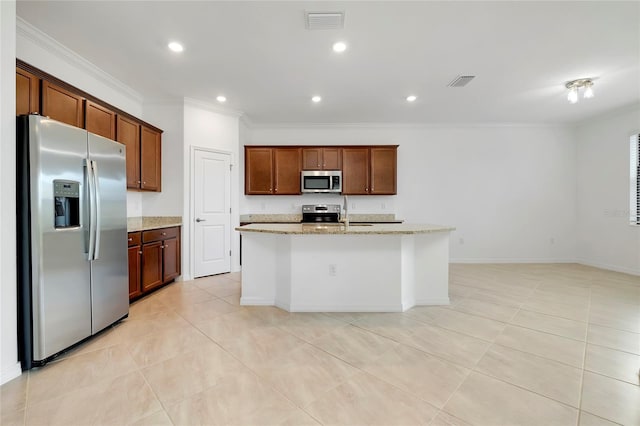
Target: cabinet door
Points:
(151, 265)
(150, 159)
(355, 171)
(128, 133)
(311, 158)
(287, 171)
(62, 105)
(170, 259)
(100, 120)
(258, 171)
(27, 92)
(383, 171)
(135, 253)
(331, 159)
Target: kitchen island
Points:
(345, 268)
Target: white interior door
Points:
(211, 214)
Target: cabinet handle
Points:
(164, 233)
(130, 239)
(276, 189)
(161, 247)
(140, 252)
(138, 181)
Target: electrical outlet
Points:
(552, 241)
(383, 206)
(352, 206)
(332, 270)
(461, 241)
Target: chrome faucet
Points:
(346, 211)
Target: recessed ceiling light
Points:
(221, 98)
(316, 99)
(339, 47)
(411, 98)
(175, 46)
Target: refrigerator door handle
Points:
(92, 213)
(97, 228)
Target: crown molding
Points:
(29, 32)
(213, 108)
(321, 126)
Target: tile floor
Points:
(519, 345)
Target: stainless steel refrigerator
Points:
(72, 236)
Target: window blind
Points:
(635, 180)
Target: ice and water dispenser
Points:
(66, 195)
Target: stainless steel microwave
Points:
(321, 181)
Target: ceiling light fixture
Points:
(221, 99)
(339, 47)
(574, 87)
(316, 99)
(411, 98)
(175, 46)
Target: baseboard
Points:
(609, 267)
(510, 260)
(346, 308)
(435, 301)
(254, 301)
(10, 373)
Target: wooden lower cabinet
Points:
(134, 271)
(151, 265)
(154, 261)
(170, 259)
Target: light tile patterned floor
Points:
(519, 345)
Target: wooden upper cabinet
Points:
(62, 105)
(318, 158)
(129, 135)
(311, 158)
(258, 171)
(27, 92)
(332, 158)
(383, 170)
(286, 166)
(355, 171)
(150, 159)
(100, 120)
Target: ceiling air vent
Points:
(324, 20)
(461, 80)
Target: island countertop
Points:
(341, 229)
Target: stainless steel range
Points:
(321, 213)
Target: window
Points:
(634, 180)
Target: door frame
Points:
(192, 202)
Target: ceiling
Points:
(263, 59)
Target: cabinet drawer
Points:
(159, 234)
(134, 238)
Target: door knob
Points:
(200, 220)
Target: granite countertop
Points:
(297, 217)
(341, 229)
(145, 223)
